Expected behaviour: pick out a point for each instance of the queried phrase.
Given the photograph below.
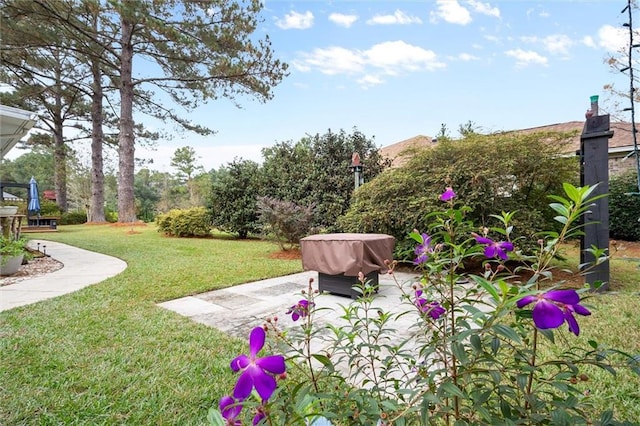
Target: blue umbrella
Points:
(34, 199)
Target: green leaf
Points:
(548, 334)
(560, 208)
(215, 418)
(495, 345)
(476, 343)
(451, 389)
(560, 418)
(606, 418)
(323, 359)
(572, 192)
(458, 350)
(487, 286)
(507, 332)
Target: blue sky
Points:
(397, 69)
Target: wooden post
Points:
(594, 169)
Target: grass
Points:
(108, 355)
(614, 323)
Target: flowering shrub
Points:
(473, 356)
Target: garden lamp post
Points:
(357, 167)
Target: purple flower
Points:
(431, 308)
(256, 372)
(555, 307)
(448, 194)
(300, 309)
(423, 250)
(495, 248)
(229, 411)
(258, 417)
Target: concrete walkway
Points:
(237, 310)
(81, 269)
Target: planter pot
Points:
(9, 265)
(8, 210)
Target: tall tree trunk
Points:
(96, 210)
(60, 168)
(59, 148)
(126, 139)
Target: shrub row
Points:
(624, 207)
(193, 222)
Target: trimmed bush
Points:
(49, 208)
(285, 221)
(624, 207)
(490, 174)
(73, 218)
(194, 222)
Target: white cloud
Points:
(613, 38)
(451, 11)
(484, 8)
(295, 20)
(398, 17)
(526, 57)
(398, 55)
(332, 60)
(589, 41)
(557, 44)
(370, 80)
(343, 20)
(388, 58)
(467, 57)
(491, 38)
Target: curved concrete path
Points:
(81, 269)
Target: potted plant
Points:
(12, 253)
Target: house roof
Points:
(621, 142)
(14, 125)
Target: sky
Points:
(398, 69)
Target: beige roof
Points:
(393, 151)
(622, 140)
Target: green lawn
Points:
(108, 355)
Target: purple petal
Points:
(448, 194)
(227, 409)
(483, 240)
(244, 385)
(581, 310)
(490, 251)
(258, 417)
(264, 383)
(525, 301)
(273, 364)
(295, 316)
(547, 315)
(568, 296)
(501, 253)
(506, 245)
(256, 341)
(240, 363)
(571, 322)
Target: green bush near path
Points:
(107, 354)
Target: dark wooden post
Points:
(594, 169)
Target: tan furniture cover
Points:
(347, 254)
